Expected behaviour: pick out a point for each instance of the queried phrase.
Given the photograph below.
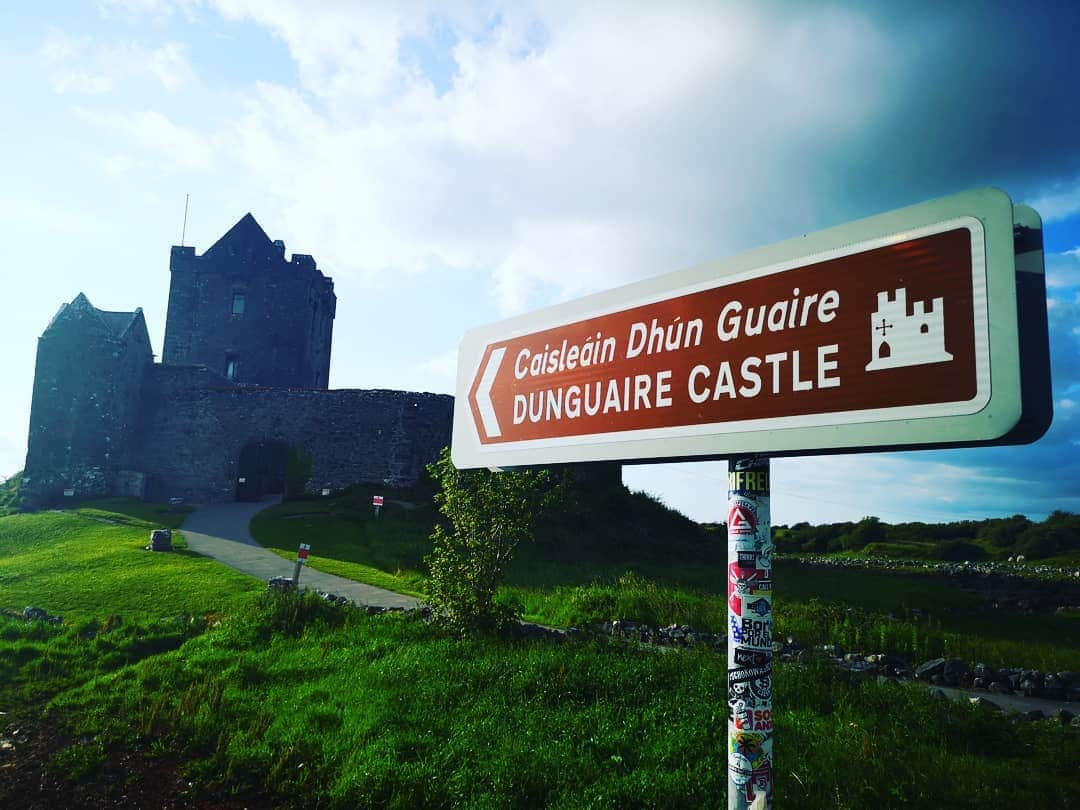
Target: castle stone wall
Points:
(85, 406)
(196, 424)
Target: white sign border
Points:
(986, 213)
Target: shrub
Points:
(1041, 540)
(297, 472)
(489, 514)
(960, 550)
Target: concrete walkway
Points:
(220, 530)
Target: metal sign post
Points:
(377, 502)
(750, 623)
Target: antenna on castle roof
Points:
(183, 231)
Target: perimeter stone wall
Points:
(196, 423)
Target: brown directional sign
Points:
(900, 330)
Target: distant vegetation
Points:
(9, 494)
(994, 538)
(605, 553)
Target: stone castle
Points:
(239, 404)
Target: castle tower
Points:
(251, 315)
(85, 407)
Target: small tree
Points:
(297, 471)
(489, 514)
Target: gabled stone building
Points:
(242, 386)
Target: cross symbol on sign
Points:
(883, 327)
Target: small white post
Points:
(301, 559)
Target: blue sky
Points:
(450, 164)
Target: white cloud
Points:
(1063, 269)
(162, 142)
(443, 366)
(604, 150)
(1058, 202)
(132, 10)
(81, 66)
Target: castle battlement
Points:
(899, 339)
(885, 299)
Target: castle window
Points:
(924, 329)
(231, 367)
(238, 303)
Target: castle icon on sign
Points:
(899, 339)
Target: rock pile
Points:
(952, 672)
(33, 614)
(674, 635)
(1015, 568)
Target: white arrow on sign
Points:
(483, 394)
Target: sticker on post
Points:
(750, 744)
(752, 632)
(760, 782)
(753, 719)
(748, 581)
(740, 769)
(761, 607)
(742, 523)
(751, 658)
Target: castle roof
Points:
(119, 321)
(116, 322)
(245, 239)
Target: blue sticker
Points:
(736, 630)
(760, 606)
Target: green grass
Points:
(348, 540)
(92, 562)
(347, 711)
(623, 556)
(297, 698)
(120, 603)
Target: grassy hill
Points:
(611, 554)
(92, 559)
(172, 681)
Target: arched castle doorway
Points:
(262, 470)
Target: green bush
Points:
(490, 513)
(960, 551)
(9, 494)
(1040, 541)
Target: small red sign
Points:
(302, 554)
(377, 500)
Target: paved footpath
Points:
(220, 530)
